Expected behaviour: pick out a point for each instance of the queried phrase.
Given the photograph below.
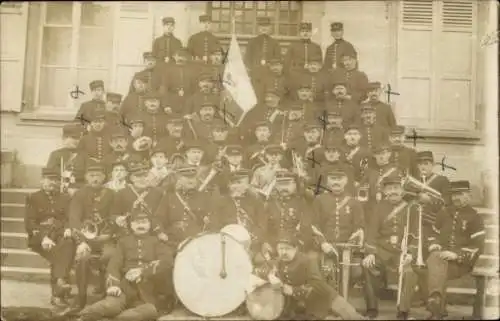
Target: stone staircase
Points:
(20, 263)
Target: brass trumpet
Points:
(412, 186)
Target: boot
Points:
(371, 314)
(434, 306)
(345, 310)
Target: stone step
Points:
(13, 210)
(16, 195)
(13, 224)
(29, 274)
(12, 240)
(22, 258)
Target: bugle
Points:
(412, 186)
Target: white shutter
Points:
(133, 18)
(415, 63)
(456, 60)
(13, 33)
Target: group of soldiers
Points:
(318, 162)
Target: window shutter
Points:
(415, 41)
(133, 18)
(13, 33)
(455, 108)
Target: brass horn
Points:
(90, 230)
(413, 186)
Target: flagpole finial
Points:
(233, 20)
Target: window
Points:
(76, 47)
(285, 15)
(437, 51)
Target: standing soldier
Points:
(86, 108)
(314, 77)
(132, 102)
(153, 72)
(342, 103)
(154, 118)
(92, 229)
(385, 115)
(113, 116)
(337, 48)
(404, 157)
(261, 49)
(299, 53)
(179, 82)
(138, 272)
(95, 145)
(305, 149)
(185, 212)
(294, 124)
(165, 46)
(201, 44)
(338, 218)
(274, 77)
(45, 221)
(68, 161)
(356, 80)
(385, 232)
(355, 155)
(205, 92)
(372, 134)
(458, 244)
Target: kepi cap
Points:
(114, 97)
(425, 156)
(50, 173)
(96, 84)
(166, 20)
(459, 186)
(205, 18)
(72, 130)
(335, 26)
(305, 26)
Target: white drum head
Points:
(197, 279)
(239, 233)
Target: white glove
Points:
(67, 233)
(273, 279)
(114, 291)
(133, 275)
(167, 110)
(369, 261)
(136, 132)
(163, 237)
(434, 247)
(47, 243)
(327, 247)
(407, 259)
(206, 220)
(82, 250)
(121, 221)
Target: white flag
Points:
(237, 83)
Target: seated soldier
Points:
(45, 221)
(255, 152)
(201, 122)
(264, 176)
(342, 103)
(112, 109)
(307, 295)
(356, 80)
(138, 272)
(332, 158)
(458, 243)
(404, 157)
(355, 155)
(95, 144)
(120, 148)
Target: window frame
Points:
(73, 67)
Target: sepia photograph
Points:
(249, 160)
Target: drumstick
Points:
(223, 273)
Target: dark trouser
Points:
(60, 257)
(103, 251)
(439, 272)
(376, 280)
(138, 302)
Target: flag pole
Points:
(233, 27)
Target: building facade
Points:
(428, 51)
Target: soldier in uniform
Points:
(385, 115)
(333, 130)
(261, 49)
(334, 51)
(404, 157)
(372, 134)
(132, 102)
(154, 118)
(95, 145)
(89, 210)
(356, 80)
(117, 176)
(166, 45)
(216, 148)
(273, 77)
(342, 103)
(201, 123)
(314, 77)
(45, 221)
(263, 176)
(331, 156)
(299, 53)
(294, 124)
(205, 93)
(86, 108)
(385, 231)
(68, 161)
(202, 43)
(160, 170)
(307, 295)
(179, 82)
(459, 241)
(185, 212)
(120, 148)
(138, 271)
(355, 155)
(306, 149)
(173, 142)
(305, 97)
(140, 194)
(113, 116)
(153, 72)
(256, 151)
(347, 224)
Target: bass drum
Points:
(265, 303)
(239, 233)
(211, 273)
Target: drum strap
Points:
(70, 160)
(185, 205)
(396, 211)
(140, 199)
(386, 174)
(433, 177)
(351, 154)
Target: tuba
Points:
(412, 186)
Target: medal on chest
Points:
(393, 240)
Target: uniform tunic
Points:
(334, 53)
(431, 210)
(347, 108)
(384, 114)
(154, 125)
(373, 135)
(95, 145)
(179, 83)
(260, 50)
(132, 104)
(358, 158)
(154, 76)
(72, 159)
(270, 80)
(317, 81)
(201, 44)
(300, 52)
(84, 114)
(165, 46)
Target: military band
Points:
(316, 185)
